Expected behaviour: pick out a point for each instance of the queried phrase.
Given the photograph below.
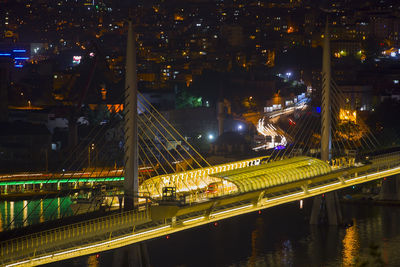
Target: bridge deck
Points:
(126, 228)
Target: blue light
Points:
(21, 58)
(19, 50)
(18, 66)
(318, 109)
(5, 54)
(279, 147)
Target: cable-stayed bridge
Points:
(121, 229)
(184, 191)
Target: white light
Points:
(393, 54)
(287, 196)
(240, 127)
(18, 263)
(193, 220)
(235, 209)
(210, 136)
(288, 74)
(381, 172)
(324, 186)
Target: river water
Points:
(279, 236)
(15, 214)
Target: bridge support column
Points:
(390, 189)
(135, 255)
(326, 209)
(131, 180)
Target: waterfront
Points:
(13, 214)
(279, 236)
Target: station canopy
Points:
(237, 177)
(274, 173)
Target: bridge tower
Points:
(326, 138)
(131, 182)
(329, 202)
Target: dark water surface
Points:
(279, 236)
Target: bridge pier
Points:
(390, 189)
(135, 255)
(326, 209)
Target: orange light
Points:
(103, 92)
(178, 17)
(115, 108)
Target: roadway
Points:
(266, 126)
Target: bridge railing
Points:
(386, 156)
(36, 244)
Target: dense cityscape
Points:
(221, 84)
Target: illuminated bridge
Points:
(185, 191)
(301, 178)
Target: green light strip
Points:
(74, 180)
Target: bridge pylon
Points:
(390, 189)
(135, 255)
(326, 209)
(131, 181)
(330, 202)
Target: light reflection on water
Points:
(13, 213)
(350, 245)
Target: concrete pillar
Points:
(326, 209)
(135, 255)
(315, 211)
(326, 103)
(131, 181)
(390, 189)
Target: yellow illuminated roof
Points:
(274, 173)
(192, 179)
